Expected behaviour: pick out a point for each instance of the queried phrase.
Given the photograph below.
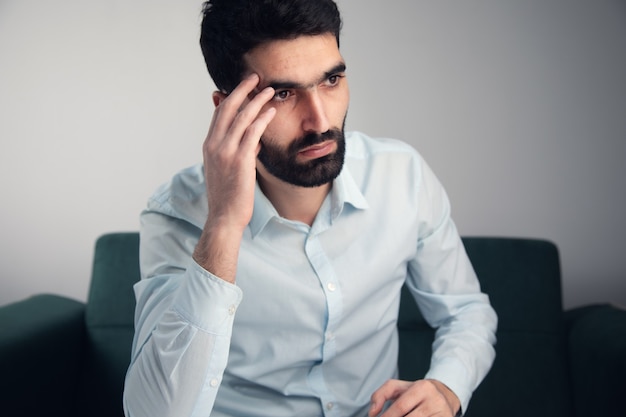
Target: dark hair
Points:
(231, 28)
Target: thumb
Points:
(375, 408)
(390, 390)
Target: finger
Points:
(389, 391)
(244, 124)
(407, 404)
(248, 114)
(235, 99)
(421, 398)
(252, 137)
(229, 107)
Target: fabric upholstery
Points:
(109, 319)
(598, 347)
(41, 342)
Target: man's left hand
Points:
(426, 397)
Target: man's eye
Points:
(282, 95)
(333, 79)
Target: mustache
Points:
(313, 139)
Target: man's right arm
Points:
(229, 154)
(185, 311)
(183, 325)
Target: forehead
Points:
(301, 60)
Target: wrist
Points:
(453, 401)
(217, 250)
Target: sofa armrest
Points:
(597, 355)
(41, 343)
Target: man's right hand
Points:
(229, 153)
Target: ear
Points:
(218, 97)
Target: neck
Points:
(292, 202)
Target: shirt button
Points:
(231, 310)
(331, 286)
(330, 336)
(214, 383)
(329, 406)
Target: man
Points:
(272, 272)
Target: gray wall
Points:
(518, 106)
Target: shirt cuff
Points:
(206, 301)
(452, 373)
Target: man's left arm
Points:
(462, 351)
(448, 294)
(446, 289)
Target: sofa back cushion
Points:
(529, 376)
(109, 319)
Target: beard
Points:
(283, 164)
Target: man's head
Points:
(231, 28)
(293, 46)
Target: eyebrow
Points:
(284, 84)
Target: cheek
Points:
(346, 104)
(338, 103)
(282, 126)
(339, 110)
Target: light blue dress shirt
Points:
(309, 329)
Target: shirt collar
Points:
(344, 190)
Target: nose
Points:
(315, 118)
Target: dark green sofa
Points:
(60, 357)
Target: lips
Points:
(319, 150)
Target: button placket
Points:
(326, 275)
(334, 307)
